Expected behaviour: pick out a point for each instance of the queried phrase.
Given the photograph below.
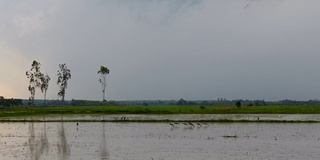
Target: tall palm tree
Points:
(103, 79)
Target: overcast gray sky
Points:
(164, 49)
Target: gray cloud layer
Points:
(164, 49)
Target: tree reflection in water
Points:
(37, 146)
(44, 144)
(63, 148)
(103, 145)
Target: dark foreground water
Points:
(159, 141)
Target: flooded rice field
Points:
(170, 117)
(158, 141)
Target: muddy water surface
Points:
(159, 141)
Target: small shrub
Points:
(238, 104)
(203, 107)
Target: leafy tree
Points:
(238, 104)
(34, 75)
(182, 102)
(103, 79)
(63, 76)
(44, 86)
(203, 107)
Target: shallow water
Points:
(159, 141)
(172, 117)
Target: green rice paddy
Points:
(30, 111)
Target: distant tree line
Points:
(10, 102)
(74, 102)
(219, 102)
(180, 102)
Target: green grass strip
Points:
(105, 110)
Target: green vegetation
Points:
(63, 76)
(37, 80)
(26, 111)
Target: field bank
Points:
(167, 118)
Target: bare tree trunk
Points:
(104, 88)
(62, 100)
(103, 92)
(45, 99)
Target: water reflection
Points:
(63, 139)
(107, 141)
(44, 144)
(63, 148)
(103, 146)
(31, 142)
(37, 146)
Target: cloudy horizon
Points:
(164, 49)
